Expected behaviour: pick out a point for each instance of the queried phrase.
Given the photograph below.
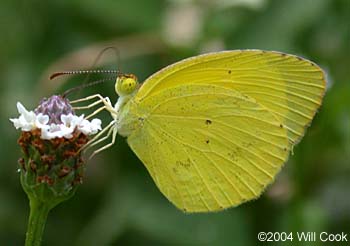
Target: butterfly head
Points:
(126, 84)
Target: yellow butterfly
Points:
(214, 130)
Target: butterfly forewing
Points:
(289, 86)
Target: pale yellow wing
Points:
(289, 86)
(207, 147)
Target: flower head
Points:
(51, 139)
(55, 118)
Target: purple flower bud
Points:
(54, 107)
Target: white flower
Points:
(84, 126)
(71, 120)
(28, 121)
(88, 127)
(41, 121)
(53, 131)
(95, 126)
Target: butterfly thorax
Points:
(129, 119)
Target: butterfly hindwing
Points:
(208, 147)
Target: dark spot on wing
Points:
(207, 141)
(233, 156)
(184, 164)
(174, 170)
(208, 122)
(245, 96)
(229, 71)
(281, 125)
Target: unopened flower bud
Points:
(54, 107)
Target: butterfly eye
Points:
(125, 85)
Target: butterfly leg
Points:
(96, 137)
(96, 112)
(109, 108)
(106, 146)
(105, 100)
(101, 139)
(88, 98)
(90, 105)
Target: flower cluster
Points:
(28, 121)
(52, 137)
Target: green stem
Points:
(37, 220)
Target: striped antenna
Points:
(57, 74)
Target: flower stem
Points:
(37, 220)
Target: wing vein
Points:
(171, 178)
(202, 179)
(199, 150)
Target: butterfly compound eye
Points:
(126, 84)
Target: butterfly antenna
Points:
(90, 71)
(99, 56)
(57, 74)
(102, 52)
(80, 87)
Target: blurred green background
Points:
(118, 204)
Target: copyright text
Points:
(302, 237)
